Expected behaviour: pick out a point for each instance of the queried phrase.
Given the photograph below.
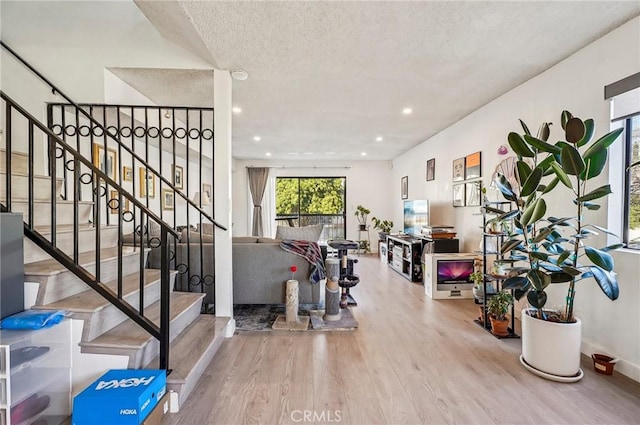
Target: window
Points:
(304, 201)
(632, 183)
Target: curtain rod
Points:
(294, 167)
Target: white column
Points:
(222, 194)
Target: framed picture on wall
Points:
(206, 189)
(147, 184)
(458, 169)
(431, 169)
(404, 187)
(458, 195)
(472, 166)
(127, 174)
(178, 176)
(109, 163)
(473, 191)
(167, 199)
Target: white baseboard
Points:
(230, 329)
(623, 366)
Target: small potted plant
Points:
(361, 215)
(498, 307)
(478, 290)
(384, 226)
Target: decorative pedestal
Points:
(291, 322)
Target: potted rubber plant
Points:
(361, 215)
(498, 307)
(556, 250)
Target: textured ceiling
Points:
(327, 78)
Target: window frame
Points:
(627, 154)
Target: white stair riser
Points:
(64, 241)
(64, 212)
(63, 285)
(19, 162)
(20, 187)
(106, 319)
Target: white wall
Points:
(576, 84)
(369, 183)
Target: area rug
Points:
(260, 317)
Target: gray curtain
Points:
(257, 183)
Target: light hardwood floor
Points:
(413, 360)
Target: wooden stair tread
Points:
(51, 267)
(35, 176)
(191, 344)
(90, 301)
(68, 228)
(130, 335)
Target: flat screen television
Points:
(416, 215)
(454, 274)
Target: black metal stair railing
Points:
(180, 140)
(103, 137)
(43, 190)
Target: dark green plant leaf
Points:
(545, 164)
(613, 247)
(552, 268)
(604, 142)
(523, 170)
(572, 162)
(517, 257)
(596, 193)
(539, 255)
(510, 245)
(534, 212)
(519, 293)
(570, 270)
(541, 145)
(539, 279)
(589, 232)
(505, 187)
(599, 258)
(564, 221)
(563, 257)
(508, 215)
(607, 282)
(518, 270)
(542, 234)
(516, 282)
(602, 229)
(561, 174)
(574, 130)
(561, 277)
(524, 127)
(537, 299)
(594, 164)
(566, 116)
(544, 131)
(552, 184)
(554, 248)
(532, 182)
(589, 128)
(492, 210)
(591, 206)
(519, 146)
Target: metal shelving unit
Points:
(498, 238)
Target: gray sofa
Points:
(261, 270)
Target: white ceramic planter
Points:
(551, 348)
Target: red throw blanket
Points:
(311, 252)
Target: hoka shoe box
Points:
(122, 397)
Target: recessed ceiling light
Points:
(308, 153)
(236, 109)
(268, 153)
(363, 154)
(257, 138)
(379, 139)
(407, 111)
(239, 74)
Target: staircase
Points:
(77, 257)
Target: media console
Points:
(404, 253)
